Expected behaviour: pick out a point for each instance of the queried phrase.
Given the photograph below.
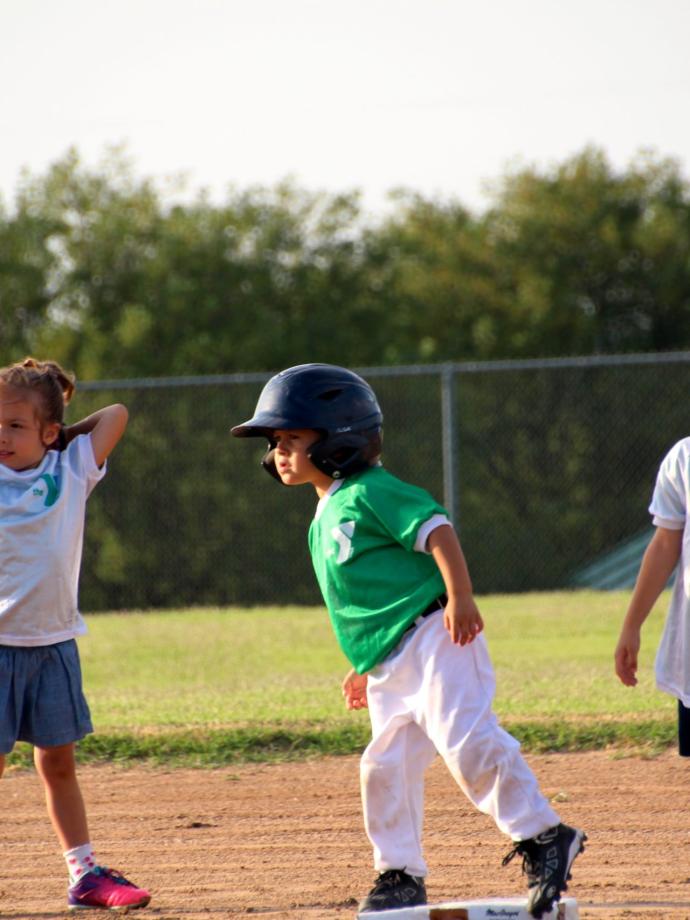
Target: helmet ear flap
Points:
(268, 462)
(341, 455)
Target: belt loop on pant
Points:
(438, 603)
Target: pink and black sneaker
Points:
(106, 889)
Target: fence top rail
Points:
(405, 370)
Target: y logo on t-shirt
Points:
(52, 489)
(342, 534)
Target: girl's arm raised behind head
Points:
(106, 427)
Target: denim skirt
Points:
(41, 697)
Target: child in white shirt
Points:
(669, 546)
(47, 472)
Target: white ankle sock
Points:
(80, 860)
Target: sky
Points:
(438, 96)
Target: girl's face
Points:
(23, 439)
(292, 463)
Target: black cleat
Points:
(546, 861)
(392, 889)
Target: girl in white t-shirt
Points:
(669, 546)
(47, 471)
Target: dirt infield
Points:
(285, 842)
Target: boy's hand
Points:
(462, 619)
(354, 688)
(626, 656)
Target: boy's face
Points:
(292, 463)
(23, 440)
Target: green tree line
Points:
(101, 272)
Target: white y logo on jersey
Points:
(342, 534)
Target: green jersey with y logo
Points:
(373, 580)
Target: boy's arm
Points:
(658, 562)
(462, 618)
(106, 427)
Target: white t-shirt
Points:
(669, 505)
(42, 514)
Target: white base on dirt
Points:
(484, 909)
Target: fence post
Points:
(450, 499)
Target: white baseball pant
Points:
(432, 696)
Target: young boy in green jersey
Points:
(398, 592)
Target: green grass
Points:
(212, 668)
(206, 687)
(553, 655)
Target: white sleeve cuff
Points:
(438, 520)
(667, 524)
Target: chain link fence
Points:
(544, 466)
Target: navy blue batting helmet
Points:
(332, 400)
